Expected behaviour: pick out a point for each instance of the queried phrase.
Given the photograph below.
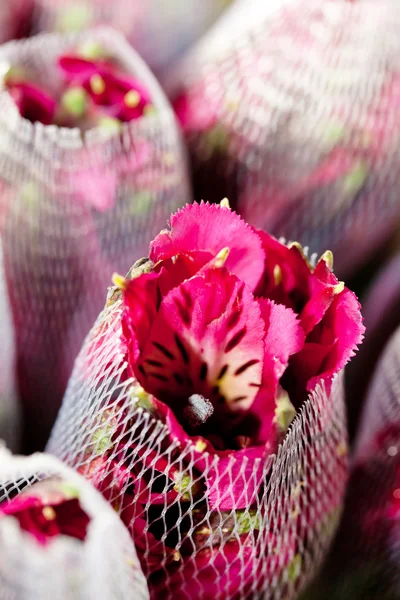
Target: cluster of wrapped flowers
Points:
(206, 407)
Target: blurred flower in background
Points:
(365, 557)
(291, 110)
(58, 536)
(159, 30)
(77, 203)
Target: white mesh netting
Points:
(382, 408)
(72, 207)
(8, 396)
(104, 565)
(365, 559)
(381, 318)
(160, 31)
(290, 109)
(194, 536)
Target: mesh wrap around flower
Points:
(290, 109)
(103, 565)
(73, 206)
(381, 319)
(160, 31)
(365, 558)
(8, 395)
(270, 541)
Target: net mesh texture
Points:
(73, 206)
(290, 109)
(195, 535)
(104, 565)
(365, 557)
(381, 318)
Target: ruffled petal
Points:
(210, 228)
(331, 344)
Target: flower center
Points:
(197, 411)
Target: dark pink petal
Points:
(177, 269)
(141, 302)
(33, 103)
(45, 512)
(323, 287)
(207, 339)
(123, 96)
(76, 68)
(284, 337)
(209, 228)
(334, 340)
(72, 519)
(286, 275)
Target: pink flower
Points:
(120, 96)
(47, 510)
(226, 318)
(32, 101)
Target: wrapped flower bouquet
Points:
(59, 538)
(207, 406)
(294, 115)
(91, 164)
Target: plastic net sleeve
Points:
(381, 319)
(73, 207)
(204, 527)
(290, 110)
(104, 565)
(364, 558)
